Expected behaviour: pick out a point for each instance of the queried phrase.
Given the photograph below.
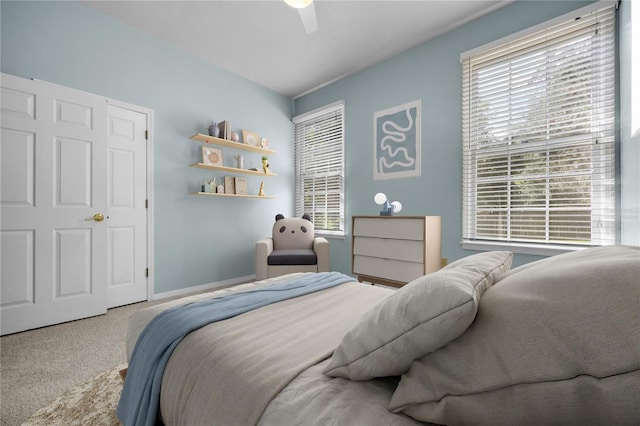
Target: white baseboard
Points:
(204, 287)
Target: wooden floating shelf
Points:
(231, 169)
(215, 194)
(231, 144)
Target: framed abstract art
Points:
(397, 142)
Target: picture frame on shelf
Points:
(241, 186)
(212, 156)
(229, 185)
(250, 138)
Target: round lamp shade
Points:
(397, 206)
(380, 198)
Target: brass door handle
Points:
(98, 217)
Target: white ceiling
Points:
(265, 42)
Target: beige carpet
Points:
(37, 366)
(92, 403)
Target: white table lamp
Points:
(387, 208)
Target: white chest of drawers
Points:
(394, 250)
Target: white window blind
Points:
(319, 168)
(538, 125)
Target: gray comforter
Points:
(230, 372)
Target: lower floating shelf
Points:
(215, 194)
(232, 169)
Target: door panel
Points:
(72, 259)
(127, 194)
(18, 103)
(73, 114)
(18, 280)
(122, 242)
(53, 260)
(73, 173)
(18, 163)
(122, 174)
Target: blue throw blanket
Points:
(141, 392)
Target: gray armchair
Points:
(292, 247)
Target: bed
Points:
(551, 342)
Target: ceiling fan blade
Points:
(309, 20)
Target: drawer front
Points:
(407, 250)
(399, 228)
(386, 268)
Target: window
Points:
(538, 124)
(319, 168)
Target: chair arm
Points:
(264, 247)
(321, 248)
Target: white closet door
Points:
(127, 194)
(53, 201)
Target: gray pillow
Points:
(419, 318)
(554, 342)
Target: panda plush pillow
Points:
(292, 233)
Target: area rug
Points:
(91, 403)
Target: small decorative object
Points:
(229, 185)
(265, 164)
(220, 189)
(264, 143)
(214, 130)
(225, 129)
(387, 208)
(234, 136)
(261, 190)
(239, 161)
(209, 185)
(250, 138)
(212, 156)
(241, 186)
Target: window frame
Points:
(470, 239)
(337, 168)
(635, 68)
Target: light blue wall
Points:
(198, 240)
(629, 146)
(431, 72)
(202, 240)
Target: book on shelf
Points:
(225, 129)
(241, 186)
(229, 185)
